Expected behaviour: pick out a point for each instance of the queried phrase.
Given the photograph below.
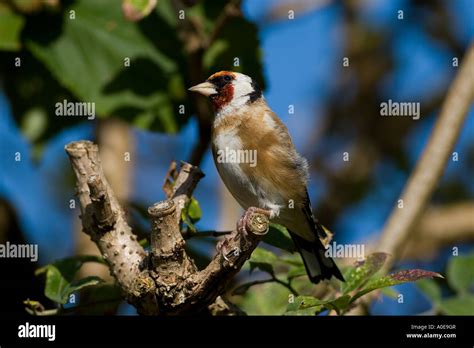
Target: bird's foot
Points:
(221, 245)
(223, 248)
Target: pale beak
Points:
(205, 88)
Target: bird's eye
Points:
(227, 78)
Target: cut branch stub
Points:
(258, 224)
(169, 260)
(165, 231)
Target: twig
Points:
(286, 285)
(231, 10)
(265, 281)
(236, 291)
(184, 186)
(170, 178)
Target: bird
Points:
(258, 163)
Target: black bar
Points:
(134, 331)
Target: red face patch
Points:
(223, 97)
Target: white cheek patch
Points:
(242, 87)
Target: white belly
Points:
(249, 192)
(231, 173)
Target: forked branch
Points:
(164, 281)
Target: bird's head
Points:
(228, 90)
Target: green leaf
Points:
(263, 260)
(269, 299)
(78, 285)
(462, 305)
(339, 304)
(460, 272)
(34, 123)
(59, 286)
(279, 237)
(296, 272)
(389, 292)
(194, 210)
(191, 214)
(55, 285)
(303, 303)
(357, 276)
(430, 289)
(395, 279)
(11, 26)
(86, 55)
(60, 275)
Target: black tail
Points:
(318, 266)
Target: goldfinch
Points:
(260, 166)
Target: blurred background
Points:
(135, 61)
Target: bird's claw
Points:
(222, 247)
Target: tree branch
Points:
(102, 218)
(184, 186)
(440, 227)
(223, 268)
(429, 169)
(166, 282)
